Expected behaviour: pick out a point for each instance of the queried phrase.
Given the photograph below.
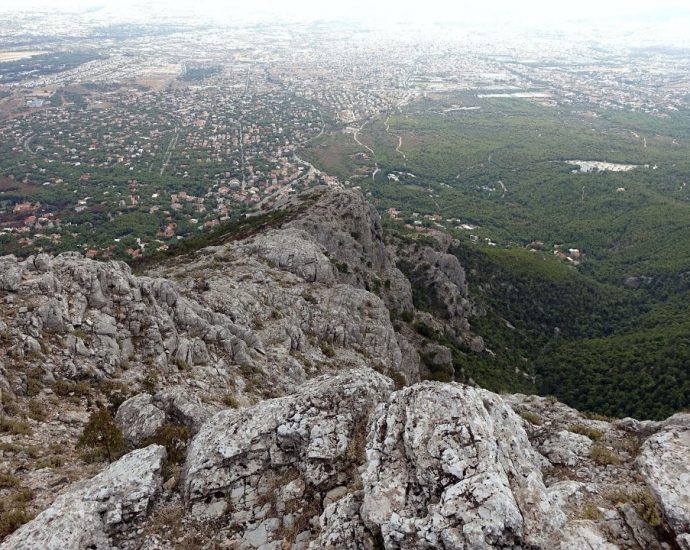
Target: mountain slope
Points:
(270, 385)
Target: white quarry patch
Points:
(587, 166)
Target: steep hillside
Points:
(286, 382)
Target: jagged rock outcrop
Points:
(139, 417)
(450, 466)
(664, 463)
(349, 229)
(280, 351)
(272, 466)
(91, 512)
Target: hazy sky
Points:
(523, 12)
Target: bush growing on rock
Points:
(13, 513)
(101, 434)
(175, 439)
(592, 433)
(532, 418)
(603, 456)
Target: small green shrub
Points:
(13, 513)
(407, 316)
(646, 507)
(231, 401)
(8, 480)
(532, 418)
(102, 434)
(590, 512)
(424, 329)
(182, 364)
(175, 439)
(12, 520)
(37, 411)
(14, 427)
(592, 433)
(327, 349)
(150, 381)
(603, 456)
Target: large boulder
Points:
(139, 418)
(450, 466)
(282, 454)
(664, 463)
(92, 511)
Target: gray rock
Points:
(583, 535)
(293, 250)
(92, 511)
(240, 459)
(449, 466)
(342, 526)
(10, 274)
(566, 448)
(664, 463)
(183, 407)
(139, 418)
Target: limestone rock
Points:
(566, 448)
(240, 460)
(139, 418)
(92, 511)
(664, 463)
(449, 466)
(293, 250)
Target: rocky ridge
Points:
(296, 401)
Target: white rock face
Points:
(566, 448)
(287, 451)
(93, 510)
(449, 466)
(664, 463)
(139, 418)
(294, 251)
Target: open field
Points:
(16, 56)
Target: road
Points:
(169, 150)
(27, 144)
(376, 164)
(398, 148)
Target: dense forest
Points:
(608, 333)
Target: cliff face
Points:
(273, 403)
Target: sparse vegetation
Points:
(14, 427)
(175, 438)
(592, 433)
(424, 329)
(532, 417)
(590, 512)
(37, 410)
(149, 382)
(102, 436)
(603, 456)
(8, 481)
(643, 502)
(230, 400)
(76, 390)
(13, 510)
(646, 507)
(327, 349)
(182, 364)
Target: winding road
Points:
(376, 164)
